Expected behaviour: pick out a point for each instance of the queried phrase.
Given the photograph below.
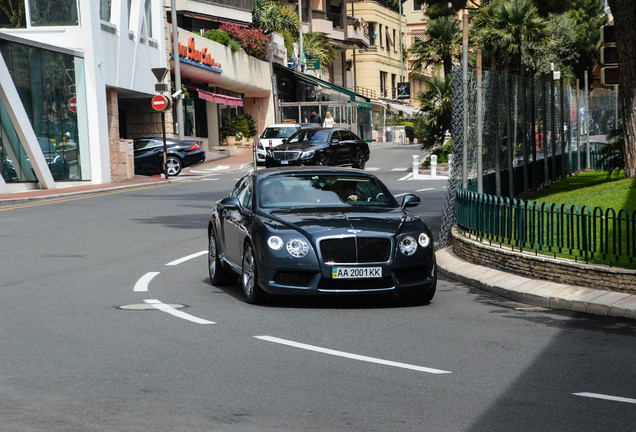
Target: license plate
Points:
(284, 162)
(356, 272)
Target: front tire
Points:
(321, 159)
(249, 278)
(174, 165)
(219, 275)
(360, 160)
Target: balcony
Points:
(358, 32)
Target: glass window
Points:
(53, 13)
(148, 17)
(46, 83)
(104, 10)
(243, 191)
(12, 14)
(279, 132)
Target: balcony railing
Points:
(246, 5)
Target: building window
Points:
(417, 4)
(148, 17)
(46, 83)
(53, 13)
(12, 14)
(104, 10)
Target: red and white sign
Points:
(72, 104)
(160, 103)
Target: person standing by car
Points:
(328, 120)
(315, 117)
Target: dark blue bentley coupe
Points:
(318, 230)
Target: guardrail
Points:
(559, 230)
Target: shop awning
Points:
(408, 111)
(219, 98)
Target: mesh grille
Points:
(355, 250)
(292, 278)
(355, 284)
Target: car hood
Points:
(301, 146)
(334, 223)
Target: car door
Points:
(148, 155)
(347, 147)
(236, 221)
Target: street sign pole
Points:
(165, 146)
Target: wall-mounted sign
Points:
(72, 104)
(313, 63)
(191, 53)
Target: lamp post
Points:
(177, 69)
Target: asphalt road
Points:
(92, 337)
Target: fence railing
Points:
(594, 236)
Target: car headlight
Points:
(424, 240)
(307, 155)
(275, 242)
(408, 245)
(297, 247)
(260, 146)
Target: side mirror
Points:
(284, 140)
(230, 203)
(335, 141)
(410, 200)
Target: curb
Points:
(536, 292)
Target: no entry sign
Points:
(160, 103)
(72, 104)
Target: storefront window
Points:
(104, 10)
(45, 81)
(53, 12)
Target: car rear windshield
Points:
(279, 132)
(323, 190)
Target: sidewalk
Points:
(536, 292)
(235, 162)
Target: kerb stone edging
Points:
(543, 267)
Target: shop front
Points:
(222, 86)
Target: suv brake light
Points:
(195, 146)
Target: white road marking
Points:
(186, 258)
(142, 284)
(372, 169)
(399, 195)
(424, 190)
(351, 356)
(406, 177)
(172, 311)
(399, 169)
(219, 168)
(606, 397)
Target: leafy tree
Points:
(512, 26)
(436, 111)
(316, 45)
(624, 12)
(442, 45)
(221, 36)
(271, 16)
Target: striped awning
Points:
(219, 98)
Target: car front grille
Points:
(294, 278)
(286, 155)
(351, 250)
(345, 285)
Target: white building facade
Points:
(63, 69)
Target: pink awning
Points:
(220, 99)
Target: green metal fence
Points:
(594, 236)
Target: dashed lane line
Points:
(606, 397)
(351, 356)
(186, 258)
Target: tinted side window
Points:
(346, 135)
(336, 136)
(143, 144)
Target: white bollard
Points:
(416, 166)
(433, 165)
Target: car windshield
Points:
(310, 136)
(279, 131)
(323, 190)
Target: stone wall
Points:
(121, 159)
(543, 267)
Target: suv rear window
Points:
(279, 132)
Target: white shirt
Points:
(328, 122)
